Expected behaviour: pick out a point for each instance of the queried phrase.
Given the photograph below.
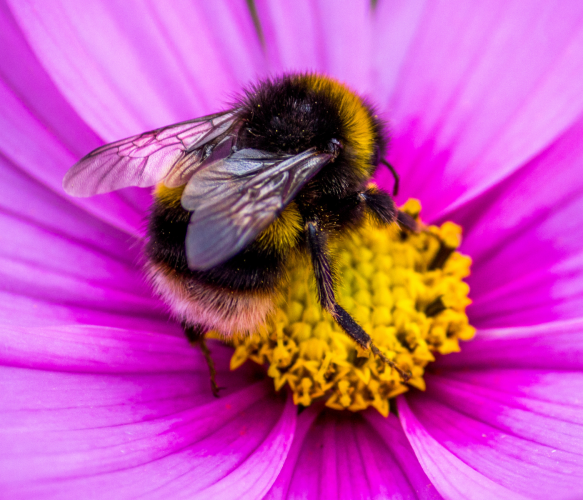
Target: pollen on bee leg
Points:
(405, 289)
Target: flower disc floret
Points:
(405, 289)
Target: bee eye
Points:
(334, 147)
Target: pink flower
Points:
(102, 397)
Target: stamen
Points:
(407, 293)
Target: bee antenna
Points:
(395, 176)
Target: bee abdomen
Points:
(259, 267)
(214, 308)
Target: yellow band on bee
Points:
(283, 233)
(354, 115)
(168, 196)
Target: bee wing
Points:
(149, 158)
(237, 197)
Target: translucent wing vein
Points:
(237, 197)
(146, 159)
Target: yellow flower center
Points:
(404, 289)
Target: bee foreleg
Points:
(195, 335)
(380, 205)
(407, 222)
(382, 208)
(317, 242)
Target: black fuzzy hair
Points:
(289, 114)
(286, 115)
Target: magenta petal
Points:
(128, 67)
(524, 238)
(552, 346)
(27, 311)
(144, 422)
(452, 477)
(280, 488)
(395, 25)
(58, 254)
(77, 272)
(391, 432)
(96, 349)
(340, 455)
(23, 74)
(291, 35)
(482, 90)
(43, 134)
(94, 279)
(27, 145)
(500, 433)
(26, 205)
(312, 36)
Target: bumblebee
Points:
(240, 193)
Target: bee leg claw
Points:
(404, 374)
(406, 221)
(195, 335)
(211, 364)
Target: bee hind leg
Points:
(195, 335)
(325, 285)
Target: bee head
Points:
(294, 113)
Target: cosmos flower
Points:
(101, 394)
